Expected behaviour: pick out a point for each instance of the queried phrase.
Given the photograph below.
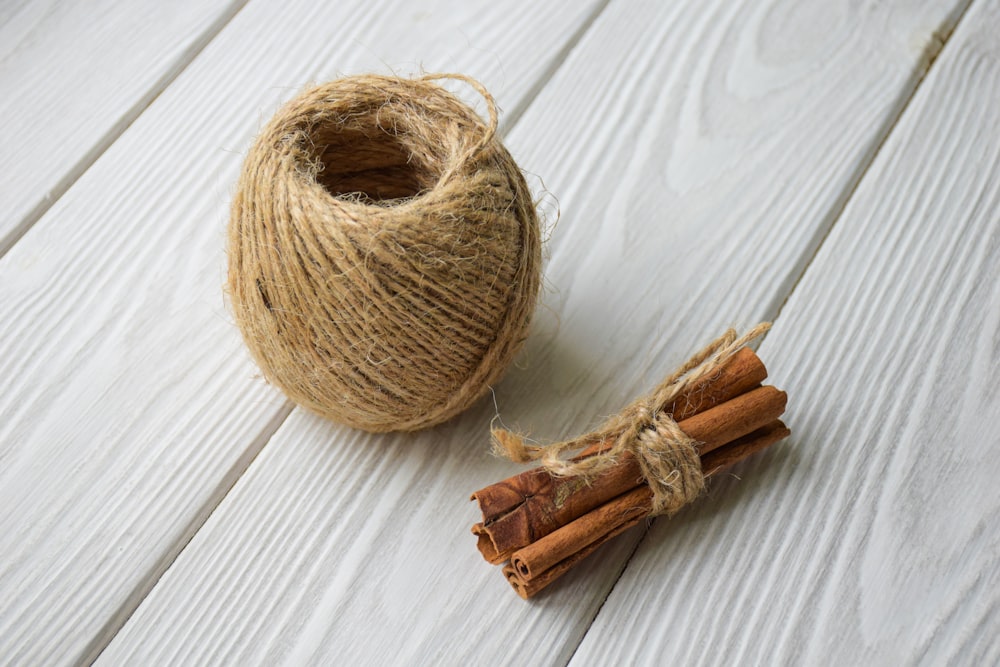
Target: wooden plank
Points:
(74, 76)
(131, 407)
(698, 150)
(873, 535)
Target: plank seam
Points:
(121, 618)
(554, 66)
(935, 49)
(103, 143)
(932, 55)
(597, 612)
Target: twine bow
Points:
(667, 457)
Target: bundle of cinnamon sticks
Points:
(541, 525)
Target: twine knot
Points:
(667, 456)
(670, 464)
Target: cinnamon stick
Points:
(575, 536)
(744, 447)
(545, 503)
(741, 373)
(507, 514)
(537, 565)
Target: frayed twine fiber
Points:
(384, 252)
(667, 457)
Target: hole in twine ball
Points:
(384, 252)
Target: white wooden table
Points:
(831, 166)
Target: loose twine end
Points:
(667, 457)
(491, 105)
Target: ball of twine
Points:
(384, 252)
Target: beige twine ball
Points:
(384, 252)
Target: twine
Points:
(384, 251)
(667, 457)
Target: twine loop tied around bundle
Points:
(667, 457)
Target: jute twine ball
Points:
(384, 252)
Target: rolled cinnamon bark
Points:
(527, 589)
(537, 565)
(577, 535)
(744, 447)
(546, 503)
(522, 508)
(740, 374)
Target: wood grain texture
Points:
(74, 76)
(699, 150)
(872, 536)
(130, 407)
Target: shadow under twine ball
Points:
(384, 252)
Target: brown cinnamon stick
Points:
(577, 535)
(744, 447)
(740, 374)
(546, 503)
(510, 519)
(537, 565)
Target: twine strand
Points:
(491, 106)
(667, 457)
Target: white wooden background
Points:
(833, 166)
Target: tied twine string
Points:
(667, 457)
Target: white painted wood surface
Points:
(72, 78)
(871, 537)
(131, 407)
(700, 152)
(158, 496)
